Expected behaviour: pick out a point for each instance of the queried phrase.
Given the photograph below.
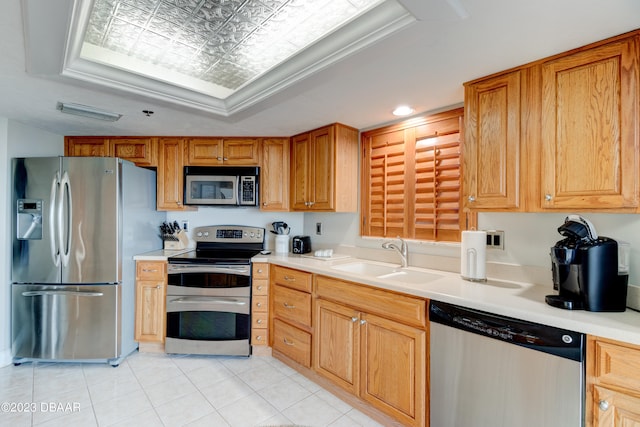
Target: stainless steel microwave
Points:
(221, 185)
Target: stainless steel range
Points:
(209, 292)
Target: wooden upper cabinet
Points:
(320, 159)
(170, 188)
(274, 174)
(86, 146)
(223, 151)
(141, 151)
(492, 143)
(590, 128)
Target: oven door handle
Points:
(242, 270)
(215, 300)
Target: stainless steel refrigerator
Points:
(77, 223)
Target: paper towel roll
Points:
(473, 257)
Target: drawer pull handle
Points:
(289, 278)
(289, 306)
(287, 342)
(603, 405)
(146, 270)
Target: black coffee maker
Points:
(589, 272)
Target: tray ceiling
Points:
(221, 56)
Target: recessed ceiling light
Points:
(402, 110)
(86, 111)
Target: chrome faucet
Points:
(402, 250)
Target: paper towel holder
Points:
(473, 256)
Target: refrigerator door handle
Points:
(61, 293)
(55, 250)
(65, 221)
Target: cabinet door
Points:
(322, 182)
(170, 174)
(336, 344)
(301, 171)
(141, 151)
(241, 151)
(393, 363)
(492, 143)
(274, 175)
(590, 129)
(615, 409)
(204, 152)
(150, 311)
(85, 146)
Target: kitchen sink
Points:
(387, 272)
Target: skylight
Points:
(215, 47)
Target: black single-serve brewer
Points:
(589, 272)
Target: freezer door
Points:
(90, 206)
(66, 322)
(36, 257)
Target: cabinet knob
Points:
(363, 322)
(259, 338)
(264, 203)
(471, 199)
(259, 304)
(548, 197)
(159, 287)
(259, 321)
(603, 405)
(219, 159)
(354, 319)
(225, 158)
(259, 270)
(259, 288)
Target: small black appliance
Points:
(590, 272)
(301, 244)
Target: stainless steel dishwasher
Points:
(492, 371)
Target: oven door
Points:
(214, 325)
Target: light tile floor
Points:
(169, 390)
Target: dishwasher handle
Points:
(548, 339)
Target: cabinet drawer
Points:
(292, 342)
(403, 308)
(617, 365)
(259, 320)
(260, 271)
(260, 304)
(260, 287)
(292, 278)
(259, 337)
(292, 305)
(151, 270)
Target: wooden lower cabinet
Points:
(260, 315)
(613, 384)
(151, 290)
(383, 361)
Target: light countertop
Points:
(514, 299)
(507, 298)
(160, 254)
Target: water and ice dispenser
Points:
(29, 219)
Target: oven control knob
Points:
(199, 234)
(252, 235)
(206, 234)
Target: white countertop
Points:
(160, 254)
(514, 299)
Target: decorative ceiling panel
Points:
(226, 43)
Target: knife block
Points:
(177, 240)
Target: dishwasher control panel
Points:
(539, 337)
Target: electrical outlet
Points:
(495, 239)
(318, 228)
(185, 225)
